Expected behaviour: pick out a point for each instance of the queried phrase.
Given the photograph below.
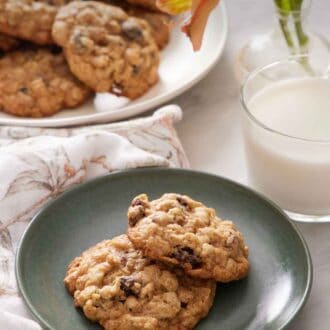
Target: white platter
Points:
(180, 69)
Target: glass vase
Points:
(289, 37)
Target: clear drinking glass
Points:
(292, 171)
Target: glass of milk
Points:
(287, 137)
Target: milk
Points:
(293, 172)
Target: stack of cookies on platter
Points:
(56, 53)
(162, 274)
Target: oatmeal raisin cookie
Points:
(178, 230)
(29, 19)
(37, 83)
(106, 49)
(119, 288)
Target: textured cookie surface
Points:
(149, 4)
(119, 288)
(106, 49)
(37, 83)
(8, 43)
(29, 19)
(180, 231)
(159, 22)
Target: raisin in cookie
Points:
(119, 288)
(180, 231)
(37, 83)
(106, 49)
(29, 19)
(159, 22)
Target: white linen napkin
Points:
(38, 164)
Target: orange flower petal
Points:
(195, 27)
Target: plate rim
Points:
(134, 109)
(18, 269)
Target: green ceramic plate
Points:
(275, 290)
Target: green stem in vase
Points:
(287, 35)
(301, 36)
(287, 8)
(284, 9)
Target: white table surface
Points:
(211, 135)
